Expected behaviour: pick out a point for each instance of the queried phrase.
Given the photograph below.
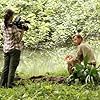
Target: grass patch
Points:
(44, 90)
(49, 91)
(62, 72)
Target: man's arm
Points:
(79, 55)
(18, 33)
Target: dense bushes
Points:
(54, 21)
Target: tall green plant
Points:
(85, 73)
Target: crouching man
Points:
(83, 50)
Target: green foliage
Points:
(49, 91)
(85, 73)
(54, 21)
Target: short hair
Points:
(78, 36)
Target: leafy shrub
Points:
(85, 73)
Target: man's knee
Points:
(70, 69)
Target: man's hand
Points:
(69, 58)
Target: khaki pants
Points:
(70, 68)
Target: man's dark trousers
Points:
(11, 61)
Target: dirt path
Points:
(54, 79)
